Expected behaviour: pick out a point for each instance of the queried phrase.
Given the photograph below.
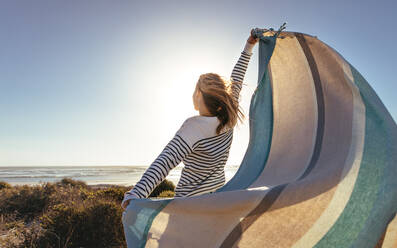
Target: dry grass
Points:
(67, 213)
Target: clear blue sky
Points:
(110, 82)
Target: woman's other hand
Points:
(128, 196)
(251, 39)
(125, 203)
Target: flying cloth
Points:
(320, 169)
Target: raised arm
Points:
(240, 68)
(173, 153)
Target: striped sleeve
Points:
(173, 153)
(239, 70)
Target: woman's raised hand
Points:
(251, 39)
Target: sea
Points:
(91, 175)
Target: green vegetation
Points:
(4, 185)
(68, 213)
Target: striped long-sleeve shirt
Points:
(196, 144)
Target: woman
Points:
(203, 141)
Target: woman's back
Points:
(204, 166)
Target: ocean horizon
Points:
(125, 175)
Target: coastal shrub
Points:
(72, 182)
(5, 185)
(167, 193)
(26, 201)
(26, 236)
(105, 219)
(97, 224)
(163, 186)
(67, 213)
(14, 237)
(116, 193)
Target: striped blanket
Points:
(320, 169)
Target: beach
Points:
(91, 175)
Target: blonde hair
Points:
(218, 98)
